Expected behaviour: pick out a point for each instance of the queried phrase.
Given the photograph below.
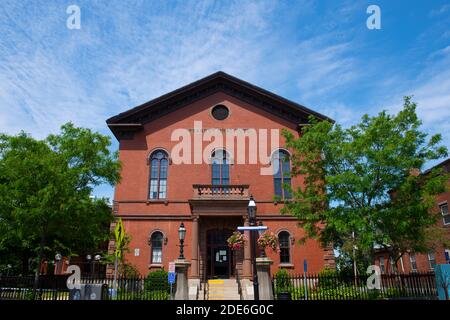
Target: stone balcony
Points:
(223, 192)
(208, 199)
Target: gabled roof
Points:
(125, 123)
(445, 165)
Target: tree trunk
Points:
(25, 268)
(38, 268)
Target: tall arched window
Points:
(285, 252)
(159, 161)
(220, 167)
(156, 243)
(282, 174)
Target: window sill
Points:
(155, 266)
(286, 265)
(165, 201)
(282, 201)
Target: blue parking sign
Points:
(171, 277)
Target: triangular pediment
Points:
(123, 124)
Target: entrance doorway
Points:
(219, 256)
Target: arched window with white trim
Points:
(159, 161)
(156, 243)
(284, 239)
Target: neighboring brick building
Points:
(156, 195)
(424, 262)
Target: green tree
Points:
(45, 193)
(124, 267)
(361, 187)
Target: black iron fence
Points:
(335, 286)
(55, 288)
(285, 285)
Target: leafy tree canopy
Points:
(362, 187)
(45, 193)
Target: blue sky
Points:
(318, 53)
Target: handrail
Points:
(238, 280)
(205, 285)
(205, 290)
(221, 185)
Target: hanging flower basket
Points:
(236, 241)
(268, 240)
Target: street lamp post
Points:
(181, 235)
(97, 258)
(89, 260)
(58, 258)
(251, 211)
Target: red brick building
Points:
(157, 194)
(424, 262)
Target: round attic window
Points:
(220, 112)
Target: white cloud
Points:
(126, 54)
(430, 90)
(121, 57)
(441, 10)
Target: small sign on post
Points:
(305, 270)
(119, 233)
(171, 277)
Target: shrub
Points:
(395, 293)
(373, 294)
(338, 293)
(298, 293)
(157, 281)
(29, 294)
(128, 270)
(282, 281)
(328, 278)
(142, 295)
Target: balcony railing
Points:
(222, 192)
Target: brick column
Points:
(194, 261)
(111, 250)
(247, 264)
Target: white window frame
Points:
(429, 259)
(156, 254)
(441, 205)
(448, 254)
(413, 261)
(382, 265)
(392, 265)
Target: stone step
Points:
(223, 289)
(223, 285)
